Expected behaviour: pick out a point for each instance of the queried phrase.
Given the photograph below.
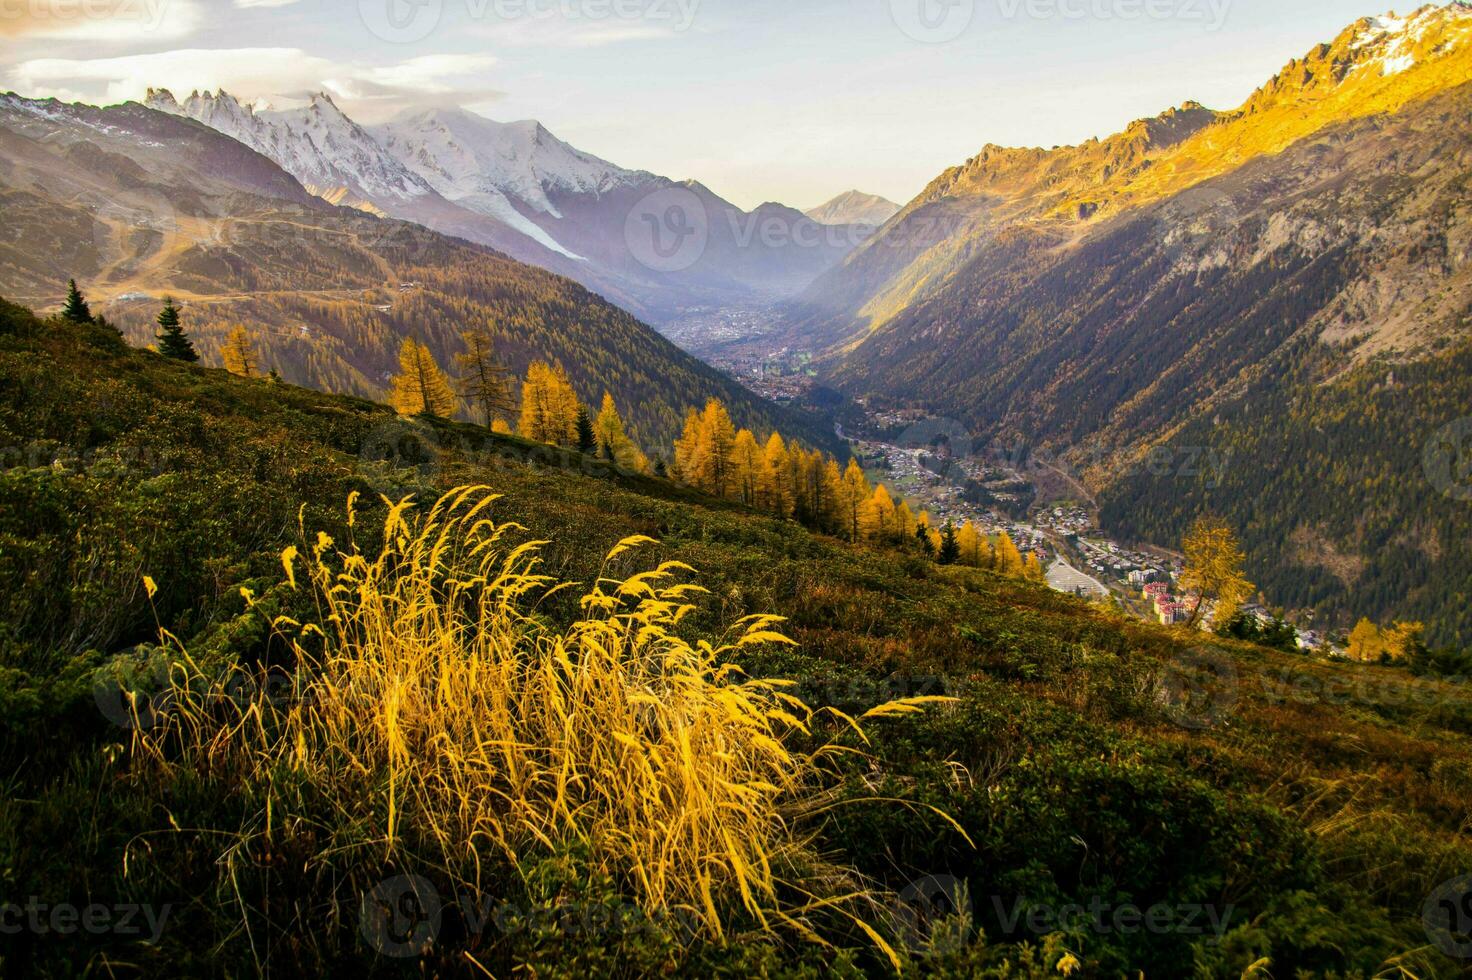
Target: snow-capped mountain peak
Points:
(330, 154)
(1393, 44)
(467, 157)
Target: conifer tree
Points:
(970, 544)
(950, 548)
(883, 509)
(587, 443)
(827, 488)
(1009, 559)
(608, 430)
(485, 381)
(1365, 643)
(549, 406)
(686, 448)
(904, 521)
(1213, 569)
(713, 452)
(239, 354)
(275, 376)
(922, 537)
(776, 482)
(854, 497)
(421, 387)
(173, 342)
(1033, 569)
(76, 309)
(746, 467)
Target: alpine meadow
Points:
(1000, 508)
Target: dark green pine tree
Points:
(173, 342)
(275, 376)
(587, 442)
(922, 535)
(950, 548)
(76, 309)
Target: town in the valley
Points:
(933, 464)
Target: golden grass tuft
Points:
(439, 707)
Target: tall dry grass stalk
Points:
(440, 708)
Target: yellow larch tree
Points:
(882, 507)
(713, 451)
(686, 448)
(904, 521)
(854, 493)
(239, 354)
(1213, 569)
(1009, 559)
(613, 441)
(549, 406)
(972, 545)
(776, 477)
(484, 380)
(746, 467)
(421, 387)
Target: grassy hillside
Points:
(1087, 762)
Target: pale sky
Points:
(788, 100)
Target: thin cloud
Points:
(548, 32)
(253, 73)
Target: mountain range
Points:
(1103, 303)
(854, 208)
(519, 189)
(1153, 291)
(137, 204)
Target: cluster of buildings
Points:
(1169, 609)
(1065, 521)
(1134, 568)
